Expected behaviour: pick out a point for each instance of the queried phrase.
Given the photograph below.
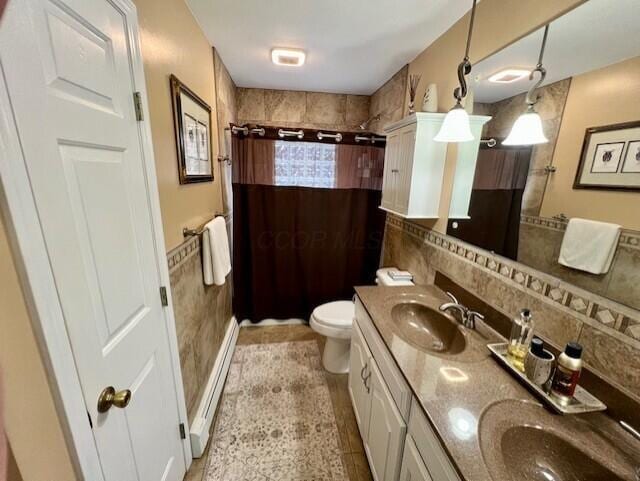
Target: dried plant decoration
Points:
(414, 81)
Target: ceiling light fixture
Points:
(509, 75)
(455, 127)
(527, 129)
(288, 57)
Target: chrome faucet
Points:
(467, 316)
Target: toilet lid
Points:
(337, 313)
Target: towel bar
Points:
(186, 232)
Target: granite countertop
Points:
(484, 417)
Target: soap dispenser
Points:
(521, 334)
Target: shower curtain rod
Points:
(309, 134)
(373, 139)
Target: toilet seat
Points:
(333, 319)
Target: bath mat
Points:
(276, 421)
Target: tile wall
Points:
(312, 110)
(389, 101)
(202, 315)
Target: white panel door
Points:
(390, 171)
(405, 167)
(386, 433)
(359, 370)
(69, 74)
(413, 468)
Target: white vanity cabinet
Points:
(359, 390)
(382, 427)
(399, 441)
(413, 166)
(413, 468)
(387, 430)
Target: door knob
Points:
(110, 397)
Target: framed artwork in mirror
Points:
(610, 158)
(192, 124)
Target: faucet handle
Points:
(453, 298)
(475, 315)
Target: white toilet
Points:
(335, 319)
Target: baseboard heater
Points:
(200, 427)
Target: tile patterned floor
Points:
(347, 451)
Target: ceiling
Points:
(594, 35)
(352, 46)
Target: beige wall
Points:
(606, 96)
(438, 63)
(297, 109)
(31, 419)
(172, 43)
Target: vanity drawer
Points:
(400, 391)
(429, 446)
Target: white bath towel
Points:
(216, 260)
(589, 245)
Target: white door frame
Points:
(29, 250)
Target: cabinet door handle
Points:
(395, 171)
(366, 382)
(362, 376)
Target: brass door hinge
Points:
(137, 103)
(163, 296)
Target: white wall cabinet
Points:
(466, 161)
(413, 166)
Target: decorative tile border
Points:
(591, 308)
(628, 238)
(178, 255)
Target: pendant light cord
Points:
(464, 68)
(532, 96)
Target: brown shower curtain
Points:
(307, 227)
(496, 200)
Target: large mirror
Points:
(523, 196)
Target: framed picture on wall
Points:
(632, 158)
(192, 124)
(610, 158)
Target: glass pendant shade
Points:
(526, 130)
(455, 127)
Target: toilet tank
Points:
(383, 279)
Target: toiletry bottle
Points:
(568, 368)
(538, 365)
(521, 334)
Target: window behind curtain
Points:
(305, 164)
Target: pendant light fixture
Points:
(455, 127)
(527, 129)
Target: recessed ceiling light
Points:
(509, 75)
(288, 57)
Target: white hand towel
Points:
(589, 245)
(216, 260)
(207, 267)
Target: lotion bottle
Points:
(565, 379)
